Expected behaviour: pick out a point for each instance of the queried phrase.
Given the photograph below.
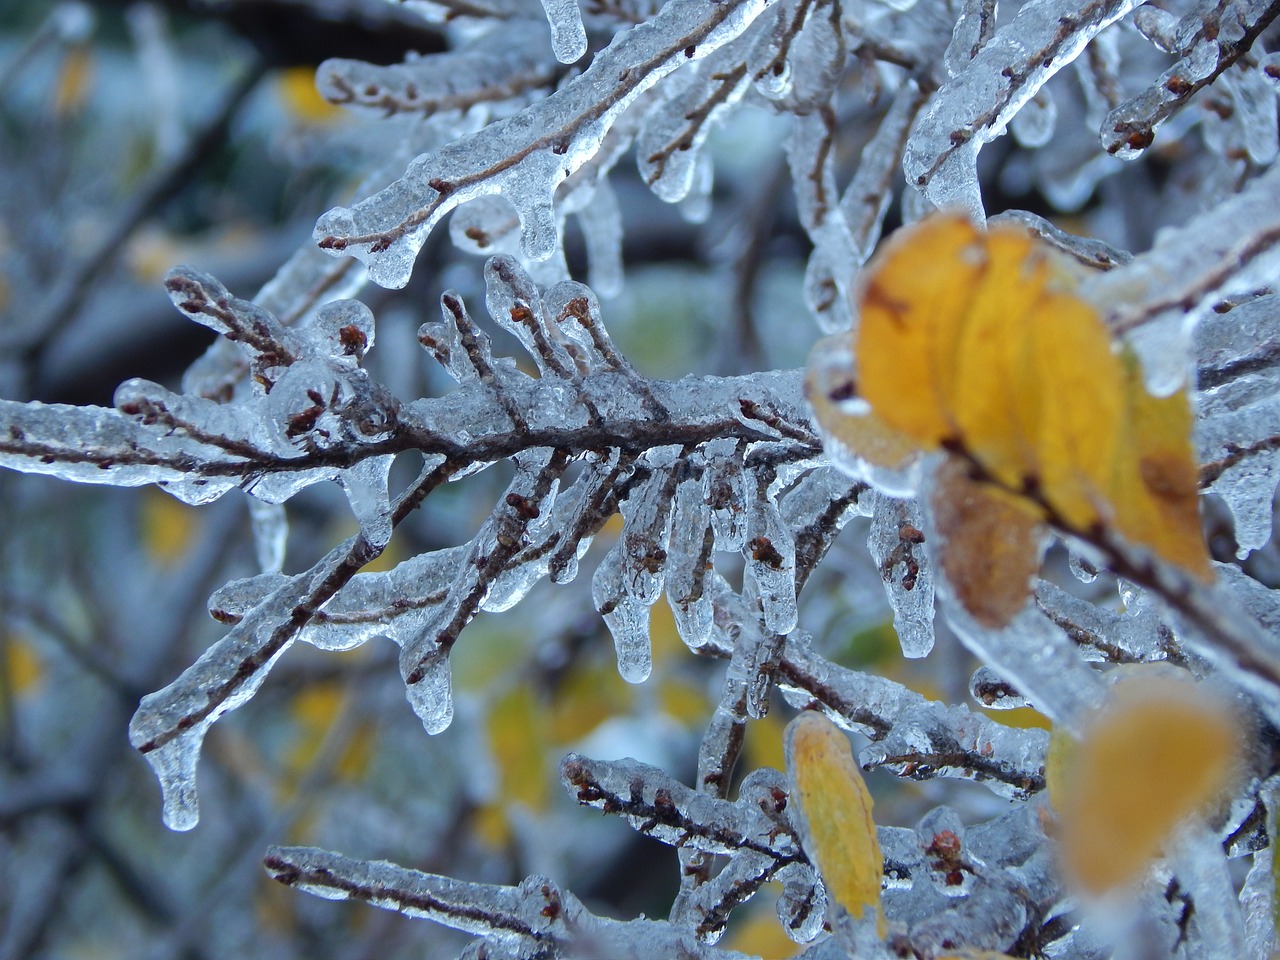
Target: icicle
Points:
(428, 686)
(601, 222)
(568, 35)
(365, 485)
(770, 552)
(896, 543)
(270, 528)
(689, 557)
(728, 494)
(626, 616)
(1033, 125)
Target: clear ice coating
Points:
(170, 725)
(689, 556)
(526, 156)
(669, 144)
(1238, 412)
(1229, 250)
(568, 35)
(476, 80)
(897, 545)
(977, 104)
(770, 553)
(1036, 655)
(695, 478)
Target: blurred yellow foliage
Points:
(296, 87)
(168, 526)
(761, 935)
(1163, 749)
(517, 727)
(314, 711)
(22, 665)
(73, 84)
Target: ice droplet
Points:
(1033, 125)
(429, 689)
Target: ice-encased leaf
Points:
(1156, 727)
(528, 155)
(831, 807)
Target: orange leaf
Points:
(973, 342)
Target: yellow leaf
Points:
(1162, 750)
(834, 813)
(1160, 480)
(972, 342)
(923, 281)
(829, 386)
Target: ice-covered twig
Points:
(977, 104)
(1209, 39)
(1233, 248)
(753, 829)
(441, 83)
(170, 725)
(911, 735)
(527, 156)
(533, 921)
(1087, 250)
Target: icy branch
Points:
(527, 156)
